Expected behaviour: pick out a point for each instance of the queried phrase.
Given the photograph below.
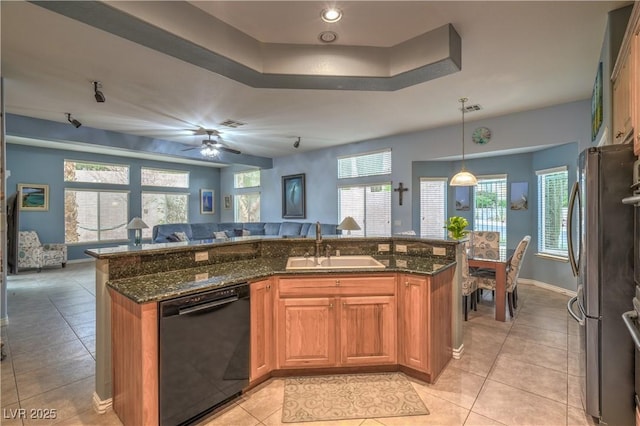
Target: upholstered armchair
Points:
(33, 254)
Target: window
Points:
(249, 179)
(165, 178)
(92, 216)
(78, 171)
(433, 207)
(163, 207)
(369, 205)
(552, 211)
(370, 164)
(490, 197)
(247, 207)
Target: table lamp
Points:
(137, 225)
(349, 224)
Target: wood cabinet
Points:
(262, 334)
(626, 85)
(368, 330)
(424, 330)
(336, 321)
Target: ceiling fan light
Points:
(331, 15)
(463, 178)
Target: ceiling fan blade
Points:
(229, 150)
(189, 149)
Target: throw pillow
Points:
(246, 232)
(237, 232)
(173, 238)
(229, 233)
(220, 235)
(182, 236)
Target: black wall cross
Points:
(400, 189)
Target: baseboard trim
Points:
(101, 406)
(4, 321)
(457, 352)
(547, 286)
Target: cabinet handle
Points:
(406, 283)
(330, 305)
(344, 304)
(337, 282)
(268, 286)
(619, 134)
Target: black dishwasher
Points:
(204, 352)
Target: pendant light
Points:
(464, 177)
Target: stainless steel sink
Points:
(335, 262)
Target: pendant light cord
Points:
(462, 101)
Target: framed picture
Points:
(596, 104)
(463, 195)
(206, 201)
(33, 197)
(227, 202)
(519, 196)
(293, 197)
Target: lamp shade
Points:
(137, 223)
(463, 178)
(349, 224)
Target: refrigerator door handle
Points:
(628, 318)
(572, 257)
(570, 304)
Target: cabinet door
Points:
(412, 308)
(622, 102)
(368, 330)
(306, 332)
(635, 100)
(262, 342)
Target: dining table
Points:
(498, 261)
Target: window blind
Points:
(490, 200)
(433, 207)
(163, 207)
(166, 178)
(553, 197)
(246, 207)
(249, 179)
(369, 205)
(369, 164)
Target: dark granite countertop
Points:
(167, 285)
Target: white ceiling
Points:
(516, 56)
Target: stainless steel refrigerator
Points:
(602, 258)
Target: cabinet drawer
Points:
(337, 285)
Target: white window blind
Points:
(163, 207)
(166, 178)
(79, 171)
(490, 198)
(433, 207)
(91, 216)
(369, 164)
(553, 197)
(247, 207)
(369, 205)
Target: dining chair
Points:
(485, 281)
(469, 283)
(486, 243)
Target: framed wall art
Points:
(293, 197)
(463, 198)
(519, 196)
(228, 202)
(33, 197)
(596, 104)
(207, 201)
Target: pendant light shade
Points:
(463, 177)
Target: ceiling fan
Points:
(211, 148)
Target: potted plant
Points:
(456, 226)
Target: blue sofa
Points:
(172, 232)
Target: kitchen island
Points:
(406, 309)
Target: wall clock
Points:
(481, 135)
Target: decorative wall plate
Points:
(481, 135)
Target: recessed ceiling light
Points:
(331, 15)
(328, 36)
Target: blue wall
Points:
(45, 166)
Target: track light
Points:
(98, 94)
(296, 144)
(73, 121)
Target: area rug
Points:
(350, 396)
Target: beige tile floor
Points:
(514, 373)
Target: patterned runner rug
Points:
(349, 396)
